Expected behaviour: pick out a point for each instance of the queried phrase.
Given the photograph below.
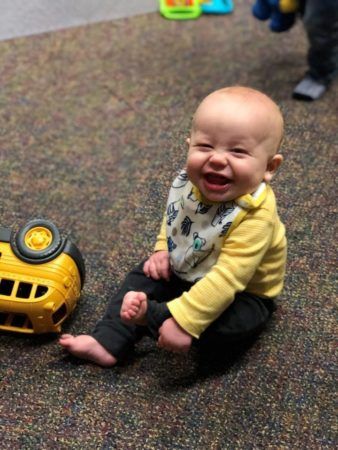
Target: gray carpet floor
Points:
(93, 127)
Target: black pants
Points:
(320, 18)
(244, 318)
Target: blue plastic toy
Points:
(282, 13)
(217, 6)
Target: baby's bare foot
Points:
(134, 308)
(86, 347)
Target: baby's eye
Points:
(204, 147)
(239, 151)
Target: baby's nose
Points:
(218, 158)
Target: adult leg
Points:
(321, 24)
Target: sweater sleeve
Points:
(239, 258)
(161, 240)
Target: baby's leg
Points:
(134, 308)
(86, 347)
(242, 322)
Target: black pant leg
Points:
(321, 24)
(245, 318)
(113, 334)
(158, 310)
(118, 337)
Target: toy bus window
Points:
(59, 314)
(24, 290)
(18, 320)
(6, 287)
(40, 291)
(3, 318)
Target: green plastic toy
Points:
(180, 9)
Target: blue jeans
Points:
(320, 20)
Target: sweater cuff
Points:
(161, 245)
(173, 307)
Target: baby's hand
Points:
(157, 266)
(173, 337)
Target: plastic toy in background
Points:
(192, 9)
(41, 277)
(217, 6)
(180, 9)
(282, 13)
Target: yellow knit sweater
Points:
(252, 259)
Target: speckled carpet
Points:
(92, 128)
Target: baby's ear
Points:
(272, 167)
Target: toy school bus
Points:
(41, 277)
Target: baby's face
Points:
(230, 149)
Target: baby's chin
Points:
(213, 192)
(216, 197)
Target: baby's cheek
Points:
(193, 168)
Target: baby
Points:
(219, 260)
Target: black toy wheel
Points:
(38, 239)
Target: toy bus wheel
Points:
(38, 239)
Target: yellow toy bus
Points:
(41, 277)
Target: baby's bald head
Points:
(265, 115)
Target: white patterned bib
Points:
(196, 230)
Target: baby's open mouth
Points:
(214, 178)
